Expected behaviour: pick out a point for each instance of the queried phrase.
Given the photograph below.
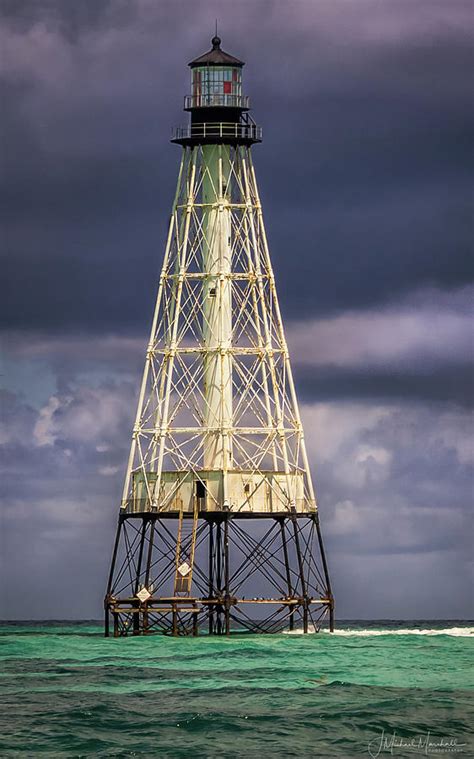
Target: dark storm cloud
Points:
(366, 128)
(70, 19)
(420, 349)
(449, 383)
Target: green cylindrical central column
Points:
(217, 305)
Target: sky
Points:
(365, 177)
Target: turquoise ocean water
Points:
(400, 689)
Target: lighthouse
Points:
(218, 528)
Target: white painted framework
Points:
(217, 403)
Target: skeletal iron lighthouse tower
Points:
(218, 527)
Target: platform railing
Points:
(304, 506)
(218, 129)
(216, 101)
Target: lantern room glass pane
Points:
(216, 86)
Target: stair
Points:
(185, 546)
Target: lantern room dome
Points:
(216, 57)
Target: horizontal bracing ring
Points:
(263, 351)
(230, 430)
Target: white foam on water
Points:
(457, 632)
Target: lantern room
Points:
(216, 86)
(219, 110)
(216, 81)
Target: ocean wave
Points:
(457, 632)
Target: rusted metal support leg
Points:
(226, 575)
(106, 619)
(175, 621)
(136, 618)
(331, 616)
(140, 557)
(116, 624)
(301, 572)
(287, 569)
(111, 577)
(326, 572)
(219, 576)
(145, 619)
(150, 551)
(195, 624)
(114, 556)
(305, 615)
(211, 576)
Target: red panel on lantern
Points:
(227, 88)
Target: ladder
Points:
(185, 546)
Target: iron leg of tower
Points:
(211, 575)
(106, 620)
(218, 554)
(110, 580)
(226, 575)
(150, 551)
(136, 618)
(137, 613)
(175, 621)
(300, 571)
(326, 573)
(140, 557)
(287, 570)
(305, 615)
